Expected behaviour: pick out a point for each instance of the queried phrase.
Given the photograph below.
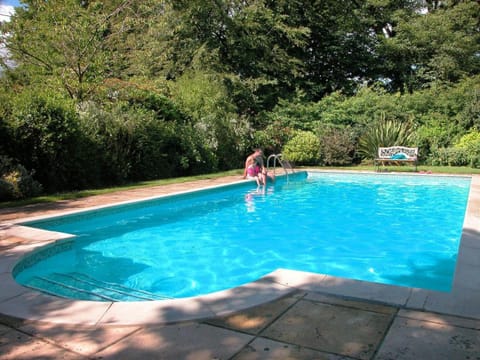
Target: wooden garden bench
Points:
(396, 155)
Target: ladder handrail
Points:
(281, 162)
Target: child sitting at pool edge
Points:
(255, 168)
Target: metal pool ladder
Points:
(285, 164)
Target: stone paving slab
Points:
(11, 242)
(356, 304)
(331, 328)
(457, 302)
(441, 319)
(266, 349)
(297, 326)
(40, 307)
(16, 345)
(80, 339)
(341, 286)
(412, 339)
(185, 341)
(254, 320)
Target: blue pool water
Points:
(392, 229)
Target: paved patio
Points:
(285, 315)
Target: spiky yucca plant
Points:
(385, 133)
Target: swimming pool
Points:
(392, 229)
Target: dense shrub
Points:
(162, 107)
(469, 140)
(126, 144)
(135, 144)
(303, 149)
(219, 133)
(437, 132)
(231, 152)
(295, 114)
(192, 127)
(113, 132)
(6, 190)
(448, 157)
(154, 151)
(15, 181)
(465, 152)
(338, 146)
(192, 153)
(5, 136)
(470, 145)
(45, 131)
(273, 138)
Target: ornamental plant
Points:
(303, 149)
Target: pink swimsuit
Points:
(253, 170)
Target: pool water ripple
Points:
(402, 230)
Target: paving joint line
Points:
(387, 330)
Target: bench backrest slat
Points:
(388, 152)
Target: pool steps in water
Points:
(85, 287)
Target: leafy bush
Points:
(437, 131)
(221, 139)
(163, 107)
(5, 136)
(465, 152)
(134, 144)
(448, 157)
(194, 154)
(303, 149)
(121, 140)
(295, 114)
(153, 150)
(273, 138)
(46, 134)
(231, 154)
(469, 140)
(7, 190)
(16, 182)
(338, 146)
(213, 135)
(470, 145)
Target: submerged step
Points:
(141, 294)
(52, 287)
(84, 287)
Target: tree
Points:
(248, 42)
(440, 46)
(71, 42)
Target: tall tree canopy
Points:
(265, 50)
(439, 45)
(69, 43)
